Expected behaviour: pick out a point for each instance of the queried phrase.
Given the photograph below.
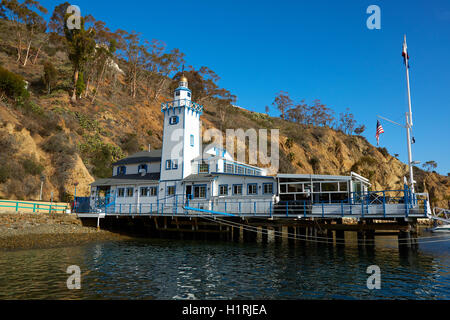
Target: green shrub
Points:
(383, 151)
(130, 143)
(4, 174)
(12, 85)
(291, 156)
(59, 143)
(315, 164)
(32, 167)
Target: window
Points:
(143, 166)
(174, 164)
(168, 164)
(189, 94)
(170, 190)
(174, 120)
(229, 168)
(240, 170)
(130, 192)
(192, 140)
(252, 188)
(223, 190)
(203, 167)
(237, 189)
(121, 170)
(121, 192)
(268, 188)
(200, 191)
(144, 191)
(153, 191)
(177, 93)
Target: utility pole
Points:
(42, 184)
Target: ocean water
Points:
(177, 269)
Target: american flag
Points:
(405, 53)
(379, 131)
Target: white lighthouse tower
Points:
(181, 137)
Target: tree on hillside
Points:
(15, 13)
(160, 66)
(2, 11)
(346, 122)
(58, 19)
(35, 24)
(283, 103)
(26, 23)
(298, 113)
(203, 83)
(133, 52)
(80, 45)
(320, 114)
(359, 130)
(224, 107)
(50, 75)
(430, 165)
(102, 56)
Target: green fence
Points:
(29, 206)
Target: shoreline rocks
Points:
(41, 230)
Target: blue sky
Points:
(313, 49)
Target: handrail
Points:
(33, 205)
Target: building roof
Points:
(128, 179)
(200, 177)
(140, 157)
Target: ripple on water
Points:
(171, 269)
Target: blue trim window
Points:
(203, 167)
(143, 166)
(252, 188)
(130, 192)
(144, 191)
(189, 94)
(121, 170)
(192, 140)
(237, 189)
(171, 190)
(152, 191)
(168, 164)
(174, 120)
(268, 188)
(200, 191)
(223, 190)
(177, 93)
(174, 164)
(121, 193)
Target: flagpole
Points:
(408, 136)
(409, 90)
(409, 121)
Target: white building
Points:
(181, 174)
(181, 179)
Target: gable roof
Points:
(140, 157)
(128, 179)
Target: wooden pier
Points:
(252, 229)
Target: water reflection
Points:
(170, 269)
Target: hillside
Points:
(70, 142)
